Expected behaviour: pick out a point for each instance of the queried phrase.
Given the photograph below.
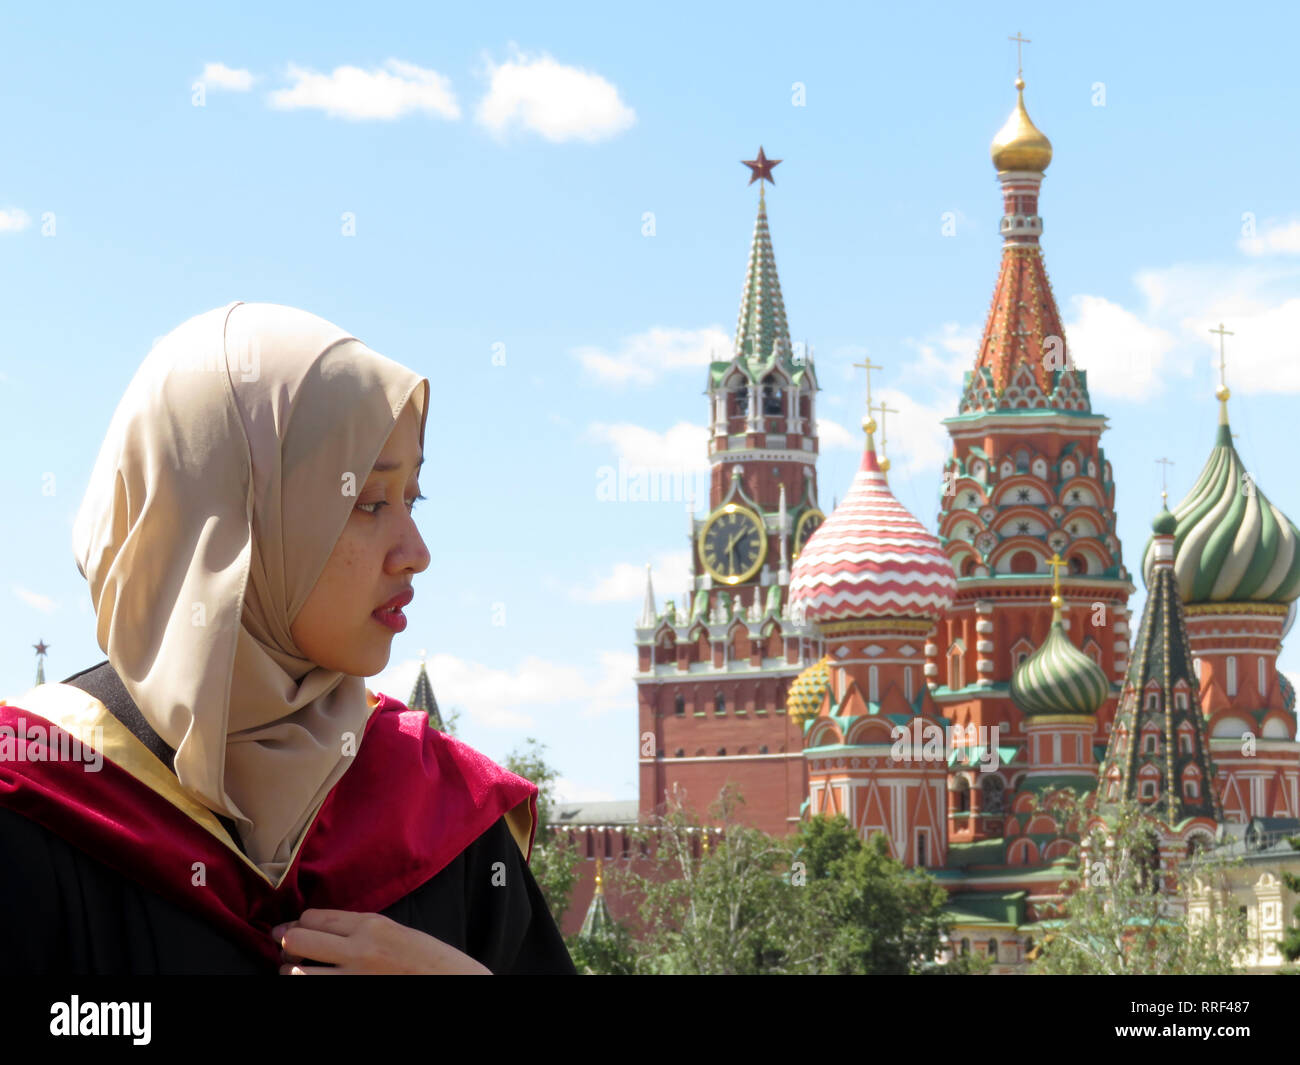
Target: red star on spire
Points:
(761, 167)
(41, 647)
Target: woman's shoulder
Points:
(452, 773)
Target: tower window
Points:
(1262, 671)
(773, 398)
(1078, 565)
(907, 683)
(1231, 685)
(922, 839)
(679, 705)
(740, 401)
(719, 703)
(873, 684)
(1148, 789)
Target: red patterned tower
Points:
(1027, 478)
(873, 582)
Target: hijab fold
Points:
(229, 470)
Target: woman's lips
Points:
(392, 619)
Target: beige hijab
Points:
(229, 470)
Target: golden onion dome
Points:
(806, 692)
(1020, 145)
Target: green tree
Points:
(554, 861)
(1289, 945)
(820, 901)
(861, 910)
(1121, 913)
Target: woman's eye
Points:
(410, 505)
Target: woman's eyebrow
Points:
(385, 467)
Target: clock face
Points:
(809, 523)
(733, 543)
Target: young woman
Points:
(223, 794)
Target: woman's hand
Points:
(361, 943)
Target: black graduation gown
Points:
(63, 913)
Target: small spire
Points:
(647, 619)
(422, 697)
(41, 648)
(600, 875)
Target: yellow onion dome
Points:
(807, 691)
(1020, 145)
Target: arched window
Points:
(955, 670)
(873, 684)
(1262, 677)
(773, 397)
(1078, 565)
(922, 839)
(719, 703)
(993, 949)
(679, 705)
(1024, 562)
(992, 790)
(740, 401)
(1150, 744)
(1180, 700)
(968, 567)
(907, 683)
(961, 789)
(1231, 685)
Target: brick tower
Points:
(1027, 479)
(713, 673)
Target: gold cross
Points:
(1019, 41)
(884, 409)
(1165, 463)
(1221, 334)
(868, 365)
(1056, 562)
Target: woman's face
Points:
(376, 557)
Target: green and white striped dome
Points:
(1058, 678)
(1230, 543)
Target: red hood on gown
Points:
(412, 800)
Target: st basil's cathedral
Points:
(935, 687)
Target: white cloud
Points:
(625, 581)
(567, 790)
(1273, 239)
(641, 358)
(944, 357)
(1256, 302)
(683, 448)
(220, 76)
(396, 89)
(43, 603)
(558, 102)
(1125, 357)
(13, 219)
(514, 698)
(916, 440)
(832, 435)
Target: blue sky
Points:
(499, 174)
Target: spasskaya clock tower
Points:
(713, 670)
